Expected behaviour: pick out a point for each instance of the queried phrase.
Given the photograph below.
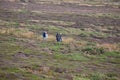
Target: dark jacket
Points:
(58, 37)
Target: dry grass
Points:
(80, 2)
(19, 32)
(11, 0)
(35, 21)
(23, 32)
(68, 40)
(73, 1)
(81, 43)
(22, 25)
(39, 38)
(59, 22)
(3, 30)
(109, 47)
(26, 34)
(51, 38)
(6, 30)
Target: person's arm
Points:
(61, 37)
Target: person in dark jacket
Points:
(59, 37)
(44, 35)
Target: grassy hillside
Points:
(90, 49)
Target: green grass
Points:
(78, 60)
(72, 57)
(69, 61)
(79, 78)
(8, 48)
(11, 48)
(104, 15)
(10, 69)
(38, 28)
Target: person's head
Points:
(44, 31)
